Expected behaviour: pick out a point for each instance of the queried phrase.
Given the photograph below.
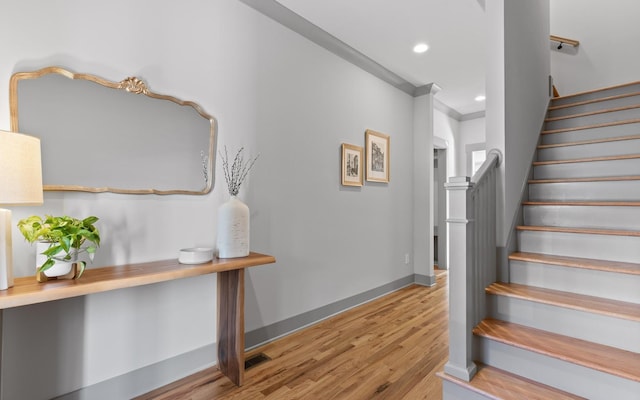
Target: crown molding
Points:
(474, 115)
(429, 88)
(450, 112)
(324, 39)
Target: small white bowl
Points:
(195, 255)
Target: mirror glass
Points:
(103, 136)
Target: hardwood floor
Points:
(389, 348)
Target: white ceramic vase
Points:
(233, 229)
(60, 268)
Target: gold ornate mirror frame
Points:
(132, 86)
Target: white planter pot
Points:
(233, 229)
(60, 268)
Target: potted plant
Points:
(61, 239)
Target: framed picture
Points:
(352, 162)
(377, 148)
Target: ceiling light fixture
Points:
(420, 48)
(480, 97)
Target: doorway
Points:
(439, 208)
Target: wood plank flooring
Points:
(596, 100)
(589, 179)
(592, 231)
(588, 159)
(389, 348)
(575, 262)
(583, 203)
(590, 141)
(600, 125)
(595, 112)
(598, 305)
(497, 384)
(610, 360)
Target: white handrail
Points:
(472, 259)
(494, 158)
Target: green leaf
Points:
(52, 250)
(65, 242)
(81, 266)
(90, 220)
(47, 264)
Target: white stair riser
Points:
(628, 190)
(593, 119)
(597, 95)
(590, 107)
(582, 381)
(452, 391)
(592, 133)
(588, 169)
(602, 217)
(596, 328)
(609, 285)
(603, 247)
(619, 147)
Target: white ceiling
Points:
(386, 31)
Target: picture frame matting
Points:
(352, 165)
(377, 148)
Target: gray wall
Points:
(608, 32)
(271, 91)
(472, 132)
(517, 94)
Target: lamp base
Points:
(6, 250)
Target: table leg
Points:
(231, 324)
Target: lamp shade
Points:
(20, 170)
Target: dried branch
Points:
(238, 172)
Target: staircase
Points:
(567, 324)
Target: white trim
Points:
(324, 39)
(146, 379)
(440, 106)
(440, 143)
(475, 115)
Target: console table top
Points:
(27, 290)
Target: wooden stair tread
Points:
(592, 101)
(566, 96)
(576, 262)
(588, 159)
(622, 363)
(596, 112)
(600, 125)
(591, 231)
(592, 141)
(592, 304)
(589, 179)
(583, 203)
(498, 384)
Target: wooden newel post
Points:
(461, 293)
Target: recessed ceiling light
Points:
(480, 98)
(420, 48)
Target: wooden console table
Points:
(95, 280)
